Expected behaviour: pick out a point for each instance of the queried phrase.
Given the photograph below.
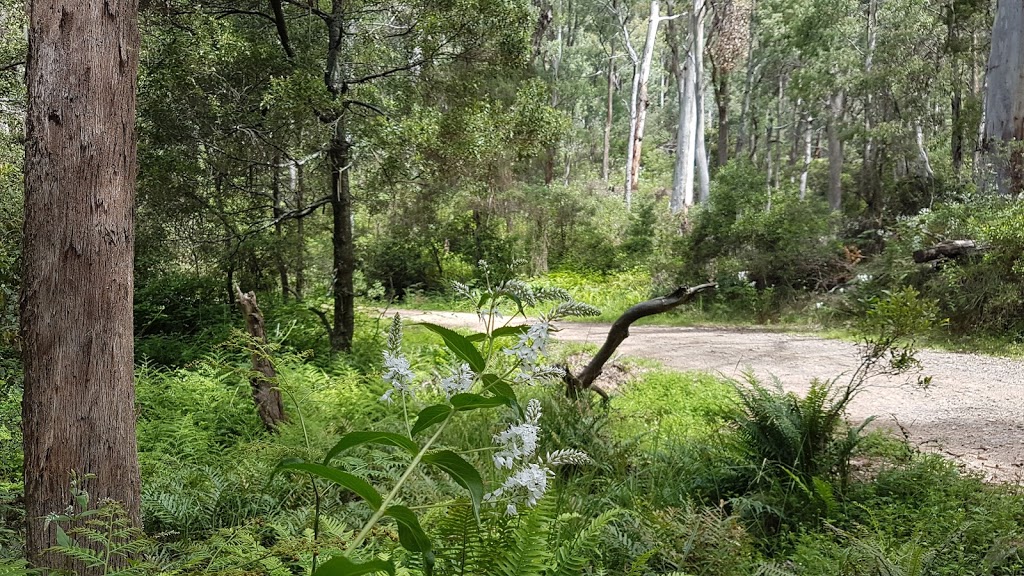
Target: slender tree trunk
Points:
(956, 144)
(299, 191)
(682, 196)
(922, 152)
(748, 86)
(808, 123)
(835, 151)
(606, 159)
(278, 210)
(1004, 99)
(643, 99)
(722, 101)
(868, 181)
(344, 253)
(78, 411)
(700, 151)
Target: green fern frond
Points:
(526, 551)
(572, 556)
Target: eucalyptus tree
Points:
(1004, 97)
(76, 315)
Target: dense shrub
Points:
(747, 235)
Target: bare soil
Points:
(971, 412)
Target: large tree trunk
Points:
(280, 254)
(1004, 101)
(835, 151)
(76, 308)
(643, 99)
(682, 70)
(265, 392)
(808, 123)
(299, 190)
(721, 82)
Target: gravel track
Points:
(971, 412)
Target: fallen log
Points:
(265, 392)
(620, 331)
(947, 249)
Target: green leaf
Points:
(499, 332)
(353, 439)
(429, 416)
(62, 538)
(410, 534)
(498, 387)
(458, 344)
(350, 481)
(341, 566)
(462, 472)
(463, 402)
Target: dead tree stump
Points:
(265, 392)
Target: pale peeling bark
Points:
(643, 99)
(1004, 99)
(700, 147)
(76, 305)
(835, 151)
(808, 132)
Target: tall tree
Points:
(76, 311)
(1004, 101)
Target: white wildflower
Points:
(460, 380)
(742, 275)
(529, 349)
(519, 441)
(397, 373)
(526, 486)
(394, 343)
(566, 456)
(819, 305)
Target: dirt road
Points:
(973, 410)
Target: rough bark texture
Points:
(620, 331)
(264, 379)
(76, 306)
(1004, 100)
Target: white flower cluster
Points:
(529, 481)
(398, 373)
(530, 349)
(460, 380)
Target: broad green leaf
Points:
(62, 538)
(339, 477)
(458, 344)
(429, 416)
(462, 472)
(341, 566)
(498, 387)
(353, 439)
(499, 332)
(463, 402)
(410, 534)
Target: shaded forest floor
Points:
(969, 411)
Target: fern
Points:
(16, 568)
(572, 556)
(525, 551)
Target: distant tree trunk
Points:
(1004, 100)
(808, 123)
(278, 210)
(868, 183)
(265, 392)
(721, 82)
(697, 52)
(634, 99)
(922, 152)
(606, 159)
(643, 99)
(742, 134)
(78, 410)
(686, 128)
(956, 144)
(835, 151)
(299, 189)
(340, 156)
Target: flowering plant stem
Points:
(379, 513)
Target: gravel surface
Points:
(970, 412)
